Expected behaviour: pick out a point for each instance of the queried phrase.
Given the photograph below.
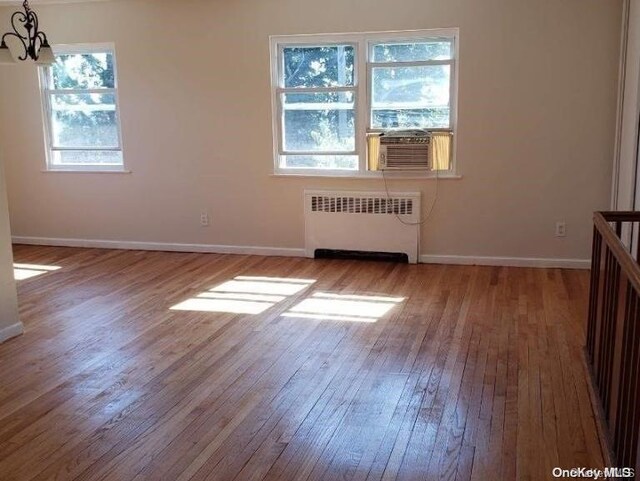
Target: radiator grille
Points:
(362, 205)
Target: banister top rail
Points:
(620, 216)
(628, 264)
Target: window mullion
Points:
(104, 91)
(85, 149)
(363, 102)
(49, 120)
(417, 63)
(118, 123)
(320, 90)
(322, 152)
(45, 83)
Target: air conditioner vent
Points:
(362, 205)
(411, 151)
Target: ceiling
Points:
(36, 2)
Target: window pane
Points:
(84, 120)
(329, 162)
(413, 52)
(411, 97)
(327, 66)
(435, 118)
(86, 157)
(83, 71)
(319, 122)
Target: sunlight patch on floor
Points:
(253, 286)
(242, 296)
(337, 307)
(328, 317)
(245, 295)
(222, 305)
(22, 272)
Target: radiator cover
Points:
(362, 221)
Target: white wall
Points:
(9, 323)
(537, 103)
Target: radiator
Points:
(362, 221)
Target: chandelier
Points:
(34, 41)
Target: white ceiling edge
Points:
(45, 2)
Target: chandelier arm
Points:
(22, 20)
(19, 37)
(43, 38)
(21, 17)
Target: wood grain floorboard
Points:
(337, 370)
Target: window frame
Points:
(363, 44)
(45, 77)
(281, 90)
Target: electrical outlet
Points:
(561, 229)
(204, 219)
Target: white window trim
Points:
(44, 74)
(362, 42)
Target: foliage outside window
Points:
(317, 99)
(80, 99)
(329, 91)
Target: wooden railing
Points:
(613, 335)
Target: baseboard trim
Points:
(160, 246)
(507, 261)
(293, 252)
(11, 331)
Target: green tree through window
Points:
(82, 103)
(327, 98)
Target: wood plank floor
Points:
(318, 370)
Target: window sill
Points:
(371, 176)
(84, 171)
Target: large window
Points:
(80, 100)
(331, 91)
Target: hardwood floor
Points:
(341, 370)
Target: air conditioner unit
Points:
(405, 150)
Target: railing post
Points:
(593, 294)
(613, 335)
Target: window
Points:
(331, 91)
(318, 104)
(81, 116)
